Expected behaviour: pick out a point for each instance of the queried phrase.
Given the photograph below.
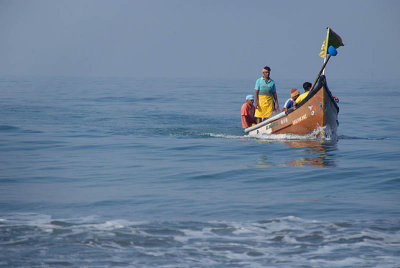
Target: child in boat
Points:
(294, 94)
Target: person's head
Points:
(266, 71)
(294, 93)
(249, 98)
(307, 86)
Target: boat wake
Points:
(225, 136)
(319, 134)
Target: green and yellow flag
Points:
(331, 39)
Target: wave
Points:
(345, 137)
(279, 242)
(8, 128)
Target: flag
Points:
(331, 39)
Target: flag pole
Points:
(327, 42)
(323, 72)
(319, 74)
(328, 48)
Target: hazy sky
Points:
(211, 39)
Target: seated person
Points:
(247, 112)
(294, 94)
(307, 87)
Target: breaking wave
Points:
(280, 242)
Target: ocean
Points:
(123, 172)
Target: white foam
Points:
(225, 136)
(347, 262)
(315, 135)
(246, 243)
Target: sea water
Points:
(123, 172)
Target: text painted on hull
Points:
(301, 118)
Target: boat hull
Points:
(318, 111)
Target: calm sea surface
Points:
(120, 172)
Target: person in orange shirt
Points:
(247, 112)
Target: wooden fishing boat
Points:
(317, 112)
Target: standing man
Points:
(265, 93)
(247, 112)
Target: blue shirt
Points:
(289, 104)
(265, 88)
